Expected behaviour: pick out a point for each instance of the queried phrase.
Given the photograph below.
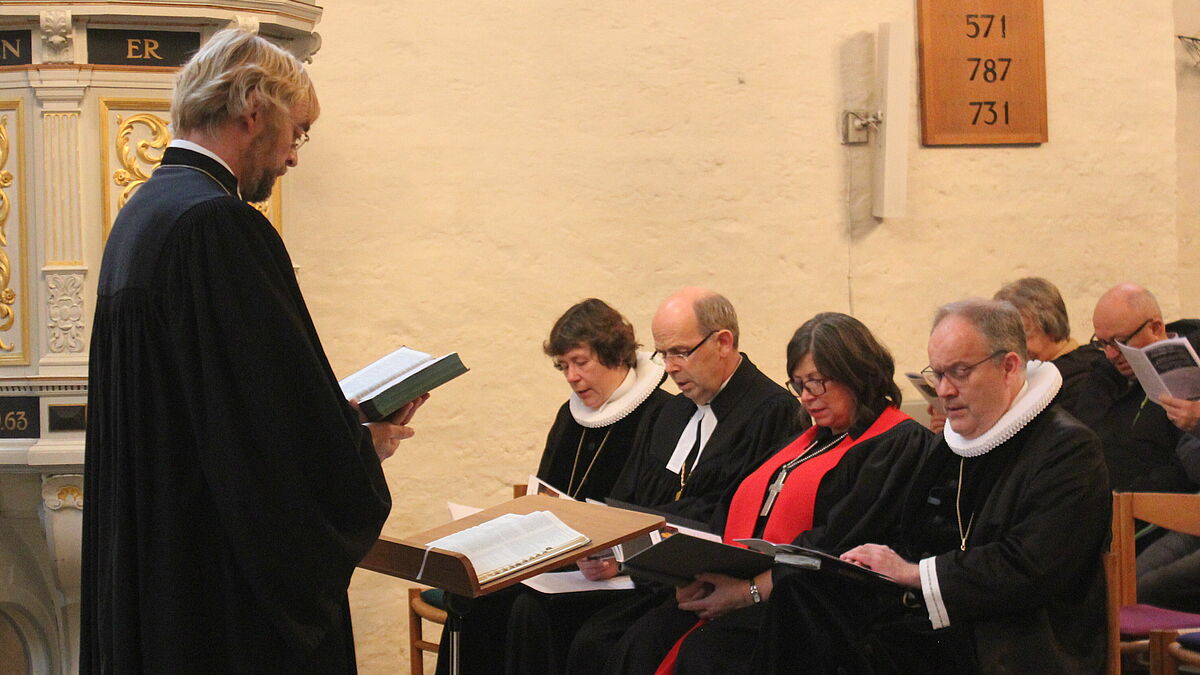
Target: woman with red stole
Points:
(818, 490)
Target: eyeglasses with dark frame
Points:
(814, 386)
(1112, 342)
(662, 358)
(301, 139)
(957, 374)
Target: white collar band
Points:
(640, 382)
(1042, 382)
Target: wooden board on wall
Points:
(983, 72)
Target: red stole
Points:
(793, 510)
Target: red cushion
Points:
(1138, 620)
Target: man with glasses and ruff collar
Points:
(996, 541)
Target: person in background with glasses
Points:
(994, 541)
(726, 420)
(1139, 438)
(821, 487)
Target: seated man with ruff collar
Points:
(996, 539)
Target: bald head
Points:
(1130, 314)
(698, 332)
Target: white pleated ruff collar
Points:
(1042, 382)
(640, 382)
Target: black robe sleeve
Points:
(298, 491)
(1044, 525)
(849, 509)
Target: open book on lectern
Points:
(511, 542)
(505, 551)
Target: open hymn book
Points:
(388, 384)
(1165, 367)
(511, 543)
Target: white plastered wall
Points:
(480, 167)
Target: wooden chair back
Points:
(1173, 511)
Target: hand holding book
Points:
(885, 561)
(387, 433)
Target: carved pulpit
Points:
(84, 108)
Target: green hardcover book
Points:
(387, 385)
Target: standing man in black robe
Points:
(995, 544)
(231, 488)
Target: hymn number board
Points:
(983, 72)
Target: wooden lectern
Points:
(604, 527)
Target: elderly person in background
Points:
(615, 394)
(994, 542)
(822, 486)
(1048, 334)
(1139, 437)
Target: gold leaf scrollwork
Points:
(71, 495)
(137, 164)
(8, 296)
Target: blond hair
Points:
(234, 72)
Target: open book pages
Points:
(1166, 367)
(511, 542)
(382, 373)
(927, 392)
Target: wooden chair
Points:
(419, 608)
(1168, 652)
(1130, 624)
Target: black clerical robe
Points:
(1076, 367)
(1027, 594)
(881, 456)
(230, 488)
(599, 454)
(1139, 440)
(754, 417)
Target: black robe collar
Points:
(740, 383)
(185, 157)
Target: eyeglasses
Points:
(678, 357)
(814, 386)
(300, 140)
(1112, 342)
(956, 374)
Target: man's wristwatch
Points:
(754, 594)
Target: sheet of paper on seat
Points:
(571, 582)
(461, 510)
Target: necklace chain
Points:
(962, 536)
(571, 489)
(214, 178)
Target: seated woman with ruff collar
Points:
(614, 392)
(818, 489)
(614, 395)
